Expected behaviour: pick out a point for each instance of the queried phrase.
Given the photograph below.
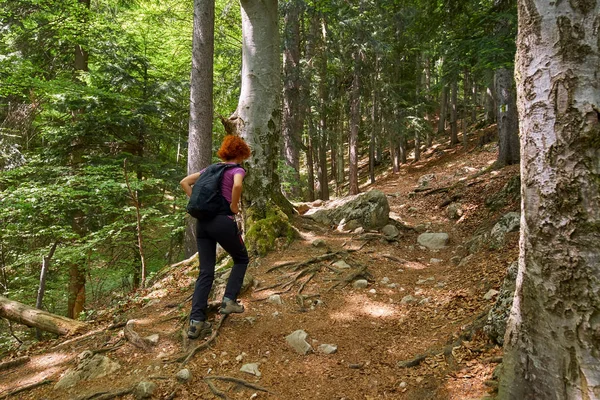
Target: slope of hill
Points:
(413, 333)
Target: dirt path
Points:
(373, 328)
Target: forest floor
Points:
(371, 327)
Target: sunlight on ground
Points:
(414, 265)
(48, 360)
(361, 305)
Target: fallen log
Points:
(30, 316)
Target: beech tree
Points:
(551, 343)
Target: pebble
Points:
(360, 284)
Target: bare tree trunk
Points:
(489, 102)
(443, 104)
(23, 314)
(136, 203)
(551, 349)
(340, 175)
(323, 99)
(292, 107)
(508, 119)
(201, 102)
(374, 123)
(42, 287)
(354, 126)
(454, 113)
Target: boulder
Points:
(433, 241)
(144, 390)
(425, 180)
(368, 210)
(495, 326)
(89, 367)
(390, 231)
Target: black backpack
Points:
(206, 200)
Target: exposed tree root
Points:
(14, 363)
(108, 349)
(345, 281)
(297, 266)
(186, 357)
(476, 325)
(26, 387)
(306, 281)
(239, 382)
(107, 395)
(134, 338)
(215, 391)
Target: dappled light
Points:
(359, 306)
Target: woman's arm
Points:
(187, 182)
(236, 192)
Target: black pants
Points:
(223, 230)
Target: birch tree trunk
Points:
(552, 342)
(201, 102)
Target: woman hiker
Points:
(222, 229)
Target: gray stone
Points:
(360, 284)
(465, 260)
(144, 390)
(184, 375)
(508, 223)
(251, 368)
(369, 210)
(421, 228)
(490, 294)
(408, 299)
(88, 368)
(275, 299)
(341, 264)
(454, 211)
(327, 348)
(319, 243)
(436, 261)
(390, 231)
(385, 280)
(425, 180)
(455, 260)
(495, 326)
(152, 339)
(297, 340)
(433, 241)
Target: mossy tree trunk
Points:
(552, 347)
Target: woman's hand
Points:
(234, 208)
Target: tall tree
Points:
(292, 120)
(201, 100)
(508, 120)
(258, 114)
(551, 343)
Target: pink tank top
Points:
(227, 182)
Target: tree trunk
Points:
(508, 119)
(258, 114)
(24, 314)
(323, 100)
(374, 123)
(340, 165)
(201, 102)
(489, 102)
(454, 113)
(42, 287)
(292, 107)
(443, 104)
(354, 126)
(551, 345)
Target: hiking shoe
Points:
(230, 306)
(199, 329)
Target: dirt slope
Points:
(372, 328)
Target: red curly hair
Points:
(233, 147)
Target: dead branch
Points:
(27, 387)
(14, 363)
(134, 338)
(186, 357)
(239, 382)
